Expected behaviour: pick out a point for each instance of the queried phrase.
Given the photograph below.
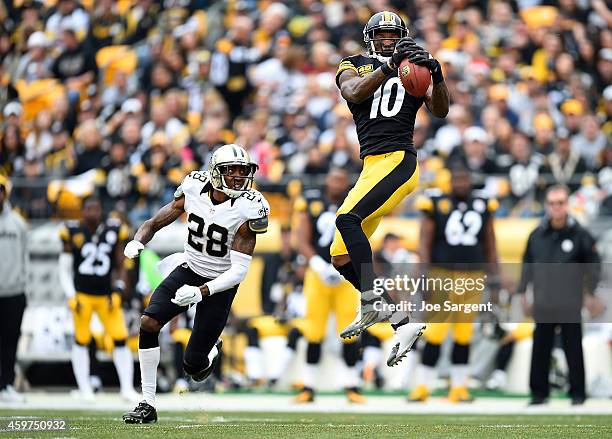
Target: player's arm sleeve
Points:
(258, 216)
(65, 274)
(345, 64)
(236, 273)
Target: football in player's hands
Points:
(133, 249)
(415, 78)
(187, 295)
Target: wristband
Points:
(386, 69)
(436, 74)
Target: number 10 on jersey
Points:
(382, 98)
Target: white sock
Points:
(372, 356)
(80, 367)
(459, 374)
(254, 362)
(352, 377)
(279, 367)
(425, 375)
(310, 374)
(124, 363)
(149, 360)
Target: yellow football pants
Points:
(108, 309)
(385, 180)
(321, 300)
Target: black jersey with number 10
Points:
(385, 121)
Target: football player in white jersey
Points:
(224, 216)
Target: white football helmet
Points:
(231, 155)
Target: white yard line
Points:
(209, 403)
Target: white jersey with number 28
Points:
(212, 227)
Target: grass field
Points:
(85, 424)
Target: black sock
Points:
(313, 353)
(148, 340)
(460, 354)
(359, 249)
(348, 272)
(430, 355)
(350, 352)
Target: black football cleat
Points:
(201, 376)
(143, 414)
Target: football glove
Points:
(187, 295)
(325, 270)
(423, 58)
(133, 249)
(403, 48)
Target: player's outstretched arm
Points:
(166, 215)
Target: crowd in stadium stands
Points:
(142, 91)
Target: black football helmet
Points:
(383, 22)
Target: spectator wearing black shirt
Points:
(76, 65)
(89, 148)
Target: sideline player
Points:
(456, 240)
(324, 289)
(224, 216)
(384, 113)
(92, 277)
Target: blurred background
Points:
(124, 98)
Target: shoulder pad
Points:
(256, 205)
(193, 182)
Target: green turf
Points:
(92, 425)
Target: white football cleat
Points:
(367, 315)
(403, 340)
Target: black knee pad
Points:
(350, 352)
(431, 353)
(252, 336)
(293, 337)
(119, 343)
(148, 340)
(461, 353)
(348, 272)
(313, 353)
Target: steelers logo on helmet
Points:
(382, 32)
(231, 170)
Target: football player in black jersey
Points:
(91, 274)
(457, 242)
(324, 289)
(384, 113)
